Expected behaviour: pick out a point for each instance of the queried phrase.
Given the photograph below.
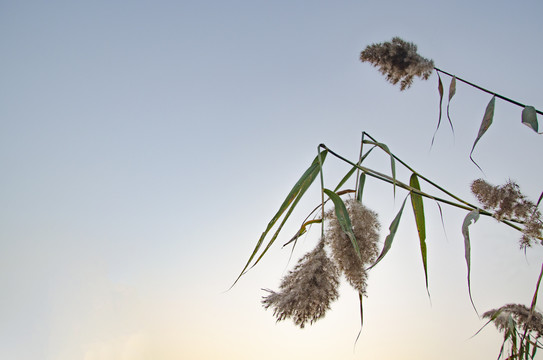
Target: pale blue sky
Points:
(145, 145)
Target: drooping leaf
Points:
(485, 124)
(291, 200)
(392, 161)
(303, 189)
(442, 221)
(529, 118)
(343, 218)
(390, 237)
(440, 90)
(418, 210)
(360, 190)
(452, 92)
(471, 216)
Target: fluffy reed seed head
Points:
(307, 291)
(399, 61)
(521, 316)
(507, 202)
(366, 230)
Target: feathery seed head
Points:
(366, 230)
(307, 291)
(520, 314)
(398, 61)
(508, 202)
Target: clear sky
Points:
(145, 145)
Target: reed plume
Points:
(307, 291)
(366, 230)
(507, 202)
(399, 61)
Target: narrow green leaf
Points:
(418, 210)
(390, 238)
(343, 218)
(365, 155)
(452, 92)
(345, 178)
(294, 196)
(494, 317)
(485, 124)
(440, 90)
(303, 189)
(392, 161)
(529, 118)
(471, 216)
(360, 187)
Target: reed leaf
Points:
(485, 124)
(305, 185)
(452, 92)
(360, 189)
(343, 218)
(345, 178)
(534, 298)
(392, 161)
(303, 229)
(291, 201)
(418, 210)
(440, 90)
(471, 216)
(494, 317)
(390, 237)
(529, 118)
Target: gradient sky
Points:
(145, 145)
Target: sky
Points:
(144, 146)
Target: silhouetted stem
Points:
(427, 180)
(400, 184)
(485, 90)
(322, 189)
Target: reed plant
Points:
(349, 243)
